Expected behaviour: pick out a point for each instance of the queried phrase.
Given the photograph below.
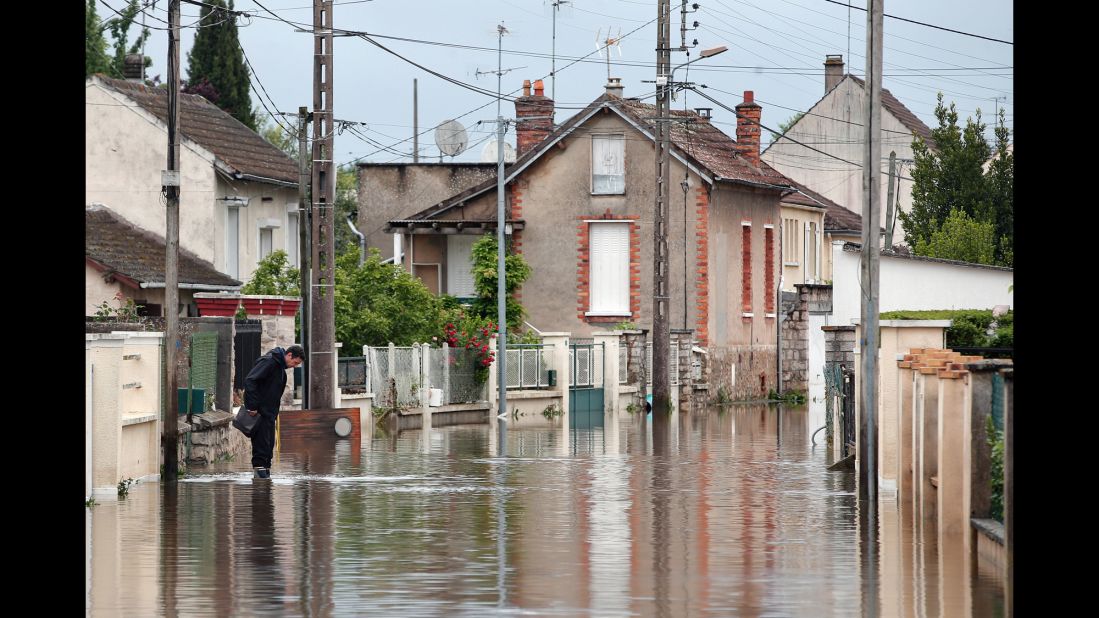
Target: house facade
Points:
(580, 201)
(835, 125)
(238, 195)
(124, 261)
(810, 224)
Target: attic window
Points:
(608, 170)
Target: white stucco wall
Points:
(96, 290)
(916, 285)
(836, 180)
(125, 150)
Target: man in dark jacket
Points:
(262, 393)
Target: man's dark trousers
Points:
(263, 442)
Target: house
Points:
(580, 198)
(238, 194)
(122, 260)
(810, 224)
(834, 125)
(396, 190)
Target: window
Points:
(609, 261)
(811, 261)
(459, 265)
(608, 170)
(790, 242)
(746, 269)
(293, 237)
(265, 238)
(232, 242)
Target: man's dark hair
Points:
(296, 350)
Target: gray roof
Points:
(235, 145)
(128, 250)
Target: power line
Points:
(912, 21)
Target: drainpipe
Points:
(362, 241)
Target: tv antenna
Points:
(556, 4)
(451, 138)
(603, 46)
(499, 72)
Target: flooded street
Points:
(739, 518)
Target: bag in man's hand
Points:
(245, 422)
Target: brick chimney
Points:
(833, 71)
(747, 128)
(529, 133)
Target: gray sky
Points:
(776, 49)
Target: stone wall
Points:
(811, 299)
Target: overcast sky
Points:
(776, 48)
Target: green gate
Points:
(585, 385)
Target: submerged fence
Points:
(401, 376)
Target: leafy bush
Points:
(970, 328)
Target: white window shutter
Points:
(607, 164)
(459, 265)
(609, 261)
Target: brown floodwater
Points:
(734, 514)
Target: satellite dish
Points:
(489, 154)
(451, 138)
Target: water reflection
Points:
(730, 512)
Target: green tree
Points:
(380, 303)
(279, 137)
(95, 44)
(217, 58)
(516, 272)
(949, 178)
(274, 276)
(962, 238)
(1001, 185)
(785, 126)
(96, 59)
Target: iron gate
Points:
(848, 411)
(585, 385)
(246, 350)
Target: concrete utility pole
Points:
(321, 315)
(889, 201)
(501, 271)
(170, 182)
(661, 308)
(415, 123)
(305, 225)
(871, 184)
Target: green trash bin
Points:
(198, 400)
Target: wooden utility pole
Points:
(871, 185)
(305, 225)
(170, 183)
(661, 308)
(321, 314)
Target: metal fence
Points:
(352, 374)
(528, 365)
(455, 372)
(623, 360)
(396, 375)
(673, 365)
(586, 365)
(204, 366)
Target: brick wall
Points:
(702, 284)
